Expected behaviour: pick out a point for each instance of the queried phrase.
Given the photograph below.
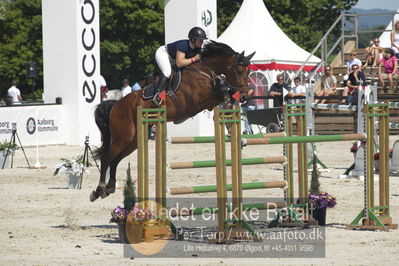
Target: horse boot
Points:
(159, 87)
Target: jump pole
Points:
(212, 163)
(213, 188)
(145, 117)
(228, 229)
(211, 139)
(306, 139)
(376, 217)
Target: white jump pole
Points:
(37, 164)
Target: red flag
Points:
(162, 95)
(236, 96)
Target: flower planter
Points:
(73, 181)
(135, 231)
(3, 154)
(122, 233)
(320, 215)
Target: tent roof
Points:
(385, 38)
(253, 29)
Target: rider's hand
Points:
(197, 57)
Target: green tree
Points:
(131, 31)
(20, 42)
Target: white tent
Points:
(385, 38)
(253, 29)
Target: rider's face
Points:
(198, 43)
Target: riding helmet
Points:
(197, 33)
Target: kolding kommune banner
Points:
(40, 125)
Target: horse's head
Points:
(237, 74)
(223, 60)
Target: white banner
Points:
(40, 125)
(71, 60)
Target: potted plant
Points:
(135, 223)
(6, 150)
(119, 214)
(319, 201)
(74, 169)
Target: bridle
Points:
(219, 81)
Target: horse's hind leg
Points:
(106, 161)
(103, 172)
(110, 188)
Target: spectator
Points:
(248, 106)
(126, 89)
(374, 53)
(390, 63)
(279, 91)
(353, 61)
(142, 83)
(15, 93)
(355, 80)
(328, 84)
(298, 90)
(395, 40)
(103, 88)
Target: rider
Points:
(184, 52)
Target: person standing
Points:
(103, 88)
(142, 83)
(328, 84)
(126, 89)
(248, 106)
(279, 91)
(185, 52)
(15, 93)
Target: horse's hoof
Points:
(104, 194)
(93, 196)
(110, 190)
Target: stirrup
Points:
(157, 100)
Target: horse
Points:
(204, 85)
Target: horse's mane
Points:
(216, 48)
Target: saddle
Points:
(171, 86)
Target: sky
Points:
(383, 4)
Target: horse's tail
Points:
(101, 116)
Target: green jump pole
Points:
(213, 188)
(305, 139)
(245, 207)
(211, 139)
(212, 163)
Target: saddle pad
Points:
(172, 86)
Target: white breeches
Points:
(162, 59)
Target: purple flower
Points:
(322, 200)
(119, 215)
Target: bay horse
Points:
(203, 86)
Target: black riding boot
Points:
(160, 85)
